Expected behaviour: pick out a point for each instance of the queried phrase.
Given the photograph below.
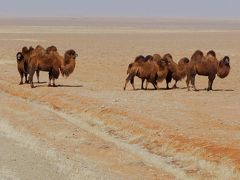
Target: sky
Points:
(220, 9)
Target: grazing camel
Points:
(207, 66)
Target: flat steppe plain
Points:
(89, 128)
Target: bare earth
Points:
(89, 128)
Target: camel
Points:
(22, 67)
(176, 71)
(151, 70)
(207, 65)
(180, 71)
(23, 61)
(53, 63)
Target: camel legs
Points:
(146, 85)
(21, 81)
(210, 82)
(31, 74)
(130, 77)
(167, 85)
(26, 78)
(175, 85)
(142, 83)
(50, 79)
(193, 83)
(187, 81)
(37, 72)
(155, 85)
(191, 77)
(132, 83)
(54, 85)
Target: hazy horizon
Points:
(214, 9)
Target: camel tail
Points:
(129, 68)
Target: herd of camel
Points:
(155, 69)
(31, 60)
(152, 69)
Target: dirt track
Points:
(89, 127)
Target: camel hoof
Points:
(21, 83)
(54, 85)
(49, 85)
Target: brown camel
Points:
(171, 68)
(180, 70)
(52, 63)
(22, 67)
(176, 71)
(207, 66)
(23, 61)
(151, 70)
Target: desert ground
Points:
(89, 128)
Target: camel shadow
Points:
(205, 89)
(43, 82)
(60, 85)
(74, 86)
(151, 89)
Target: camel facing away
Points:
(180, 70)
(53, 63)
(148, 69)
(23, 61)
(207, 65)
(176, 71)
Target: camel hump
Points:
(157, 57)
(197, 55)
(148, 57)
(51, 49)
(212, 53)
(167, 56)
(139, 58)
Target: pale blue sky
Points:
(137, 8)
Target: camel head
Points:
(20, 57)
(224, 67)
(170, 63)
(70, 54)
(69, 62)
(162, 63)
(184, 61)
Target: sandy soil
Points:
(89, 127)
